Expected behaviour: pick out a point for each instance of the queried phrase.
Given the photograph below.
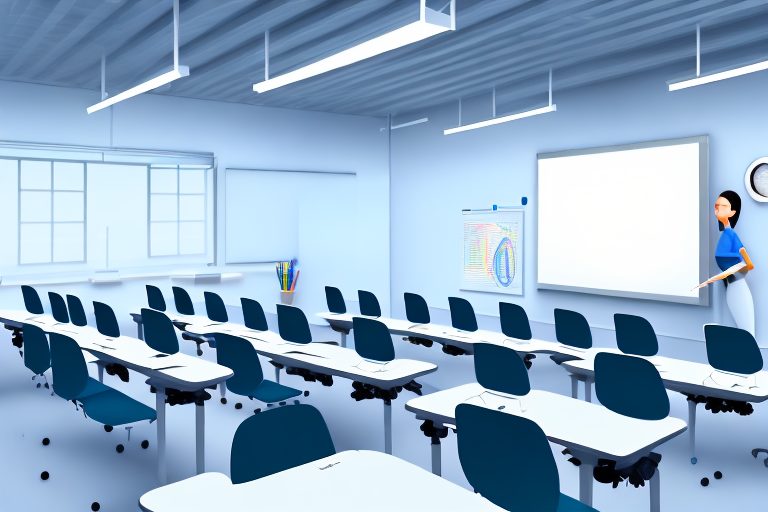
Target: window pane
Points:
(35, 243)
(192, 181)
(35, 207)
(68, 175)
(68, 242)
(191, 207)
(163, 239)
(191, 237)
(36, 174)
(68, 206)
(163, 208)
(162, 180)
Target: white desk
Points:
(351, 481)
(588, 430)
(690, 378)
(178, 371)
(327, 359)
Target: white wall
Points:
(239, 136)
(435, 176)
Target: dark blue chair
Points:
(32, 301)
(462, 314)
(335, 300)
(499, 368)
(572, 329)
(635, 335)
(292, 324)
(248, 380)
(369, 304)
(215, 307)
(76, 311)
(159, 332)
(277, 440)
(106, 322)
(37, 354)
(514, 321)
(183, 301)
(372, 340)
(507, 459)
(416, 308)
(253, 315)
(630, 386)
(730, 349)
(155, 299)
(99, 402)
(58, 308)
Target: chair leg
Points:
(757, 451)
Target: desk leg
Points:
(588, 389)
(277, 374)
(692, 429)
(437, 461)
(162, 468)
(585, 483)
(387, 427)
(100, 367)
(344, 339)
(655, 485)
(574, 386)
(140, 330)
(200, 437)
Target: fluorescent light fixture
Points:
(431, 23)
(723, 75)
(502, 119)
(409, 123)
(153, 83)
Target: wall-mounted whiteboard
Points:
(627, 221)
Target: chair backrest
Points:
(292, 324)
(106, 322)
(32, 301)
(215, 308)
(155, 299)
(278, 439)
(372, 339)
(571, 328)
(730, 349)
(462, 314)
(238, 355)
(635, 335)
(335, 300)
(514, 321)
(159, 332)
(253, 315)
(76, 311)
(70, 373)
(507, 459)
(37, 354)
(369, 304)
(499, 368)
(630, 386)
(58, 308)
(183, 301)
(416, 309)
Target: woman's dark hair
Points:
(735, 200)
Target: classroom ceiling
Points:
(509, 44)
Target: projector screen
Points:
(627, 221)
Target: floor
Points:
(84, 466)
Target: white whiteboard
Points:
(492, 256)
(626, 221)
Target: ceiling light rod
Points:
(266, 55)
(409, 123)
(430, 23)
(714, 77)
(551, 107)
(153, 83)
(103, 77)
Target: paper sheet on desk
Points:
(732, 380)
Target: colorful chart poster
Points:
(493, 251)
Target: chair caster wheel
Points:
(108, 428)
(238, 405)
(95, 506)
(296, 402)
(199, 351)
(282, 403)
(120, 448)
(145, 444)
(694, 460)
(44, 475)
(38, 385)
(306, 393)
(47, 386)
(46, 441)
(224, 401)
(256, 411)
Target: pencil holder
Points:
(286, 298)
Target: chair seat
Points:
(568, 504)
(92, 387)
(112, 407)
(271, 392)
(561, 358)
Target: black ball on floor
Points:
(108, 428)
(704, 482)
(718, 475)
(224, 401)
(95, 506)
(120, 448)
(238, 405)
(46, 441)
(44, 475)
(145, 444)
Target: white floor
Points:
(84, 466)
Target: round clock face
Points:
(756, 180)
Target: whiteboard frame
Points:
(704, 246)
